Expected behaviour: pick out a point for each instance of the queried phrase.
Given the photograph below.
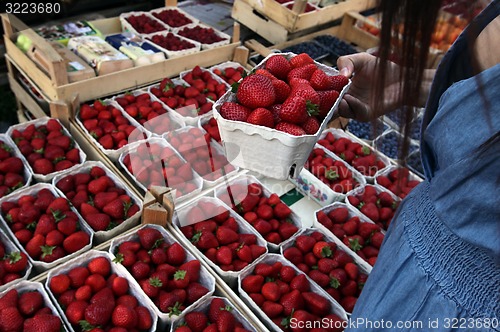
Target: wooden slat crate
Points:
(55, 85)
(277, 24)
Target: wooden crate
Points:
(55, 85)
(278, 24)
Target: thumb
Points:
(345, 66)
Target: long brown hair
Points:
(411, 23)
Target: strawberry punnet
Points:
(46, 147)
(172, 17)
(285, 295)
(218, 236)
(230, 74)
(162, 269)
(327, 265)
(145, 24)
(13, 264)
(11, 170)
(269, 216)
(109, 303)
(398, 182)
(102, 203)
(26, 310)
(38, 221)
(295, 91)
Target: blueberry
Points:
(415, 164)
(315, 50)
(415, 129)
(335, 46)
(389, 144)
(364, 130)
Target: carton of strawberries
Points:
(14, 263)
(14, 172)
(276, 113)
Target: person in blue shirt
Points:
(439, 265)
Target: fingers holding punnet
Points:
(349, 64)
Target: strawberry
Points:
(321, 81)
(300, 60)
(311, 125)
(196, 321)
(115, 209)
(300, 283)
(30, 302)
(98, 221)
(370, 210)
(290, 128)
(9, 299)
(98, 185)
(99, 265)
(12, 164)
(279, 66)
(195, 291)
(256, 91)
(272, 309)
(11, 319)
(144, 320)
(327, 100)
(316, 304)
(76, 241)
(294, 110)
(377, 239)
(338, 82)
(226, 235)
(43, 166)
(234, 111)
(292, 301)
(149, 237)
(34, 246)
(124, 316)
(15, 262)
(59, 283)
(75, 311)
(262, 117)
(226, 321)
(42, 322)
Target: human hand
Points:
(358, 103)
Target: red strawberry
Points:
(377, 239)
(176, 255)
(12, 164)
(317, 304)
(311, 126)
(327, 100)
(272, 309)
(42, 322)
(99, 265)
(115, 209)
(338, 82)
(30, 302)
(256, 91)
(196, 321)
(149, 237)
(321, 81)
(34, 246)
(234, 111)
(124, 316)
(290, 128)
(76, 241)
(226, 235)
(15, 262)
(226, 321)
(262, 117)
(370, 210)
(43, 166)
(59, 284)
(195, 291)
(292, 301)
(294, 110)
(300, 60)
(11, 319)
(252, 283)
(98, 221)
(279, 66)
(75, 311)
(300, 283)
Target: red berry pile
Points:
(286, 296)
(309, 7)
(398, 181)
(230, 74)
(99, 200)
(201, 34)
(377, 205)
(45, 225)
(217, 318)
(162, 270)
(333, 173)
(292, 96)
(93, 296)
(212, 129)
(11, 170)
(327, 265)
(148, 112)
(107, 125)
(46, 147)
(359, 156)
(145, 24)
(13, 264)
(188, 101)
(204, 81)
(268, 215)
(171, 42)
(153, 164)
(27, 311)
(364, 238)
(172, 17)
(205, 159)
(218, 236)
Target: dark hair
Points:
(407, 27)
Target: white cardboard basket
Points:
(10, 247)
(120, 271)
(170, 53)
(385, 172)
(41, 266)
(206, 279)
(27, 171)
(177, 9)
(226, 37)
(127, 26)
(102, 236)
(265, 150)
(37, 123)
